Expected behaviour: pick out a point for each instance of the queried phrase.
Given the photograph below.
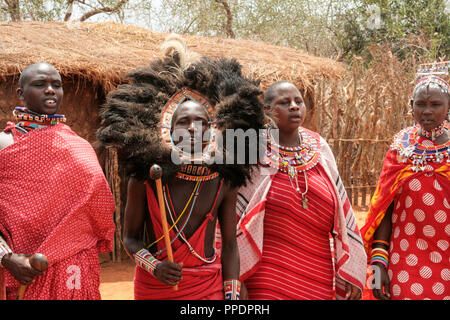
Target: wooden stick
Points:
(37, 261)
(156, 174)
(2, 285)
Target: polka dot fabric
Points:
(55, 200)
(419, 259)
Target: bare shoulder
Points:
(229, 191)
(6, 139)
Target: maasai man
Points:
(407, 229)
(54, 198)
(170, 99)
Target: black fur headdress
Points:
(131, 116)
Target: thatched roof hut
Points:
(93, 57)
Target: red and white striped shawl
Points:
(350, 257)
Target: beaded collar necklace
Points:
(193, 172)
(29, 120)
(408, 147)
(294, 160)
(433, 134)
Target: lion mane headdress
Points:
(132, 119)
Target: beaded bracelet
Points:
(4, 249)
(381, 260)
(380, 255)
(380, 250)
(146, 260)
(232, 289)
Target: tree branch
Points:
(69, 10)
(228, 28)
(190, 24)
(91, 13)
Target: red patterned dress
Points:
(297, 261)
(285, 226)
(419, 260)
(300, 211)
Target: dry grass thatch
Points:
(103, 52)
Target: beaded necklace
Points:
(299, 158)
(408, 147)
(30, 120)
(172, 216)
(193, 172)
(294, 160)
(434, 133)
(171, 209)
(194, 193)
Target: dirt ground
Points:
(117, 278)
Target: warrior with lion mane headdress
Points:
(182, 102)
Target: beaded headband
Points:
(435, 68)
(181, 96)
(432, 79)
(429, 73)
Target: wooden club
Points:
(156, 174)
(37, 261)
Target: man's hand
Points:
(168, 272)
(19, 266)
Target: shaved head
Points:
(271, 91)
(24, 76)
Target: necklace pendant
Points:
(305, 203)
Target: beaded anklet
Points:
(232, 289)
(146, 261)
(4, 249)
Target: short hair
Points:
(270, 93)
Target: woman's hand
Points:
(352, 292)
(19, 266)
(168, 272)
(380, 280)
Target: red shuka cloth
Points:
(200, 280)
(419, 246)
(296, 259)
(55, 200)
